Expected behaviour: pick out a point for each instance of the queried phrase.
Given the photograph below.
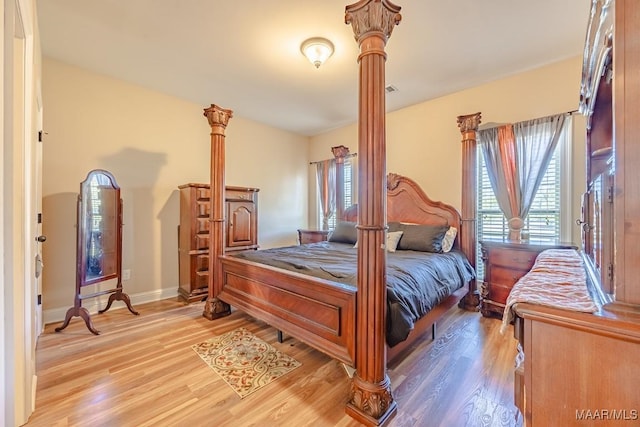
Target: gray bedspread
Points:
(416, 281)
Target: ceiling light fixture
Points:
(317, 50)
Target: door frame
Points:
(20, 48)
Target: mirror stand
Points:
(99, 245)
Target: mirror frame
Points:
(84, 241)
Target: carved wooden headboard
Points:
(407, 202)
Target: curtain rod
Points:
(346, 157)
(495, 125)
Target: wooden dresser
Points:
(241, 210)
(312, 236)
(576, 368)
(504, 263)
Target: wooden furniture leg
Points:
(119, 296)
(82, 312)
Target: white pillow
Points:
(449, 238)
(393, 237)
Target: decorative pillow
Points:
(423, 238)
(345, 232)
(449, 238)
(393, 237)
(394, 226)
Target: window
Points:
(548, 212)
(349, 189)
(348, 181)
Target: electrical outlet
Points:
(126, 274)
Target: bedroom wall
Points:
(152, 143)
(424, 142)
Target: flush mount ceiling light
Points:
(317, 50)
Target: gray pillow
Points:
(418, 237)
(394, 226)
(345, 232)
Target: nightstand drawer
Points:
(514, 258)
(505, 276)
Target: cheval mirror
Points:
(98, 245)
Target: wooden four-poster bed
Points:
(344, 321)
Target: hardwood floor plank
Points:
(142, 371)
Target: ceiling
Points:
(245, 54)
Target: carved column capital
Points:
(469, 123)
(340, 152)
(218, 117)
(368, 16)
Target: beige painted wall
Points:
(152, 143)
(424, 142)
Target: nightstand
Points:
(312, 236)
(504, 263)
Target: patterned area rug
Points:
(244, 361)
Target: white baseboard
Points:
(56, 315)
(34, 387)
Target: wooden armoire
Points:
(241, 233)
(576, 368)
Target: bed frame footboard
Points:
(318, 312)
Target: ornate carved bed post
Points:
(370, 398)
(468, 235)
(218, 119)
(340, 153)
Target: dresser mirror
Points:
(98, 244)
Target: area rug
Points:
(244, 361)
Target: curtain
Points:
(517, 156)
(326, 179)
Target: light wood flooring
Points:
(141, 371)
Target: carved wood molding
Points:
(376, 402)
(218, 117)
(340, 152)
(393, 180)
(469, 122)
(368, 16)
